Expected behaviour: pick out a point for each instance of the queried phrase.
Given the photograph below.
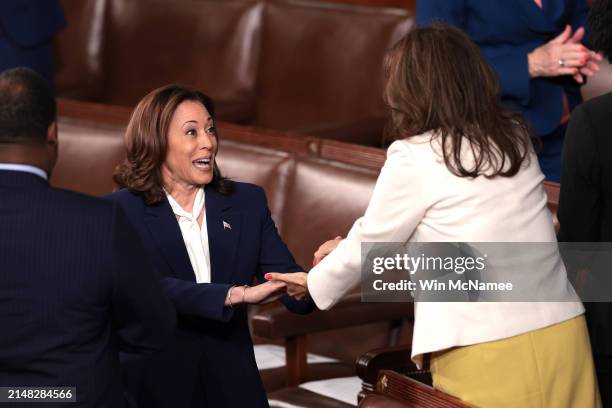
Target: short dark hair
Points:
(27, 106)
(600, 20)
(146, 140)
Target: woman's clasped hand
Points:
(564, 55)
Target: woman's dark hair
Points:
(146, 140)
(437, 81)
(600, 20)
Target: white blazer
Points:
(417, 199)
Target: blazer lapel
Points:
(223, 226)
(167, 235)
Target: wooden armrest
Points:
(277, 322)
(391, 358)
(413, 393)
(396, 358)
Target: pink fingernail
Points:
(268, 276)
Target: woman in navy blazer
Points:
(535, 48)
(171, 148)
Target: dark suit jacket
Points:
(211, 362)
(585, 203)
(75, 288)
(29, 23)
(585, 214)
(506, 32)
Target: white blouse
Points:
(194, 235)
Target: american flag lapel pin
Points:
(226, 225)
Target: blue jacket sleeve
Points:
(203, 300)
(276, 257)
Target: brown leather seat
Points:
(88, 154)
(307, 66)
(210, 45)
(320, 69)
(79, 51)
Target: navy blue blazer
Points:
(75, 289)
(211, 362)
(506, 32)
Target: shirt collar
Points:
(24, 168)
(198, 205)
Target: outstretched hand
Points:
(265, 292)
(296, 282)
(260, 294)
(325, 249)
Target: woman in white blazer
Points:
(463, 170)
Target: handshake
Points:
(293, 284)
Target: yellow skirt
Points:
(546, 368)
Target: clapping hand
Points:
(564, 55)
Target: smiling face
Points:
(191, 147)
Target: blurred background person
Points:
(75, 285)
(585, 203)
(210, 237)
(463, 170)
(27, 28)
(536, 49)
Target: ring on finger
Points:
(561, 62)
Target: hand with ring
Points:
(564, 55)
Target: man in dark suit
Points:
(585, 203)
(75, 284)
(27, 28)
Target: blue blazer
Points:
(27, 28)
(30, 23)
(211, 362)
(76, 288)
(506, 32)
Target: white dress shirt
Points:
(194, 235)
(417, 199)
(26, 168)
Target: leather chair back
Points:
(321, 63)
(211, 45)
(79, 50)
(323, 200)
(88, 155)
(265, 167)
